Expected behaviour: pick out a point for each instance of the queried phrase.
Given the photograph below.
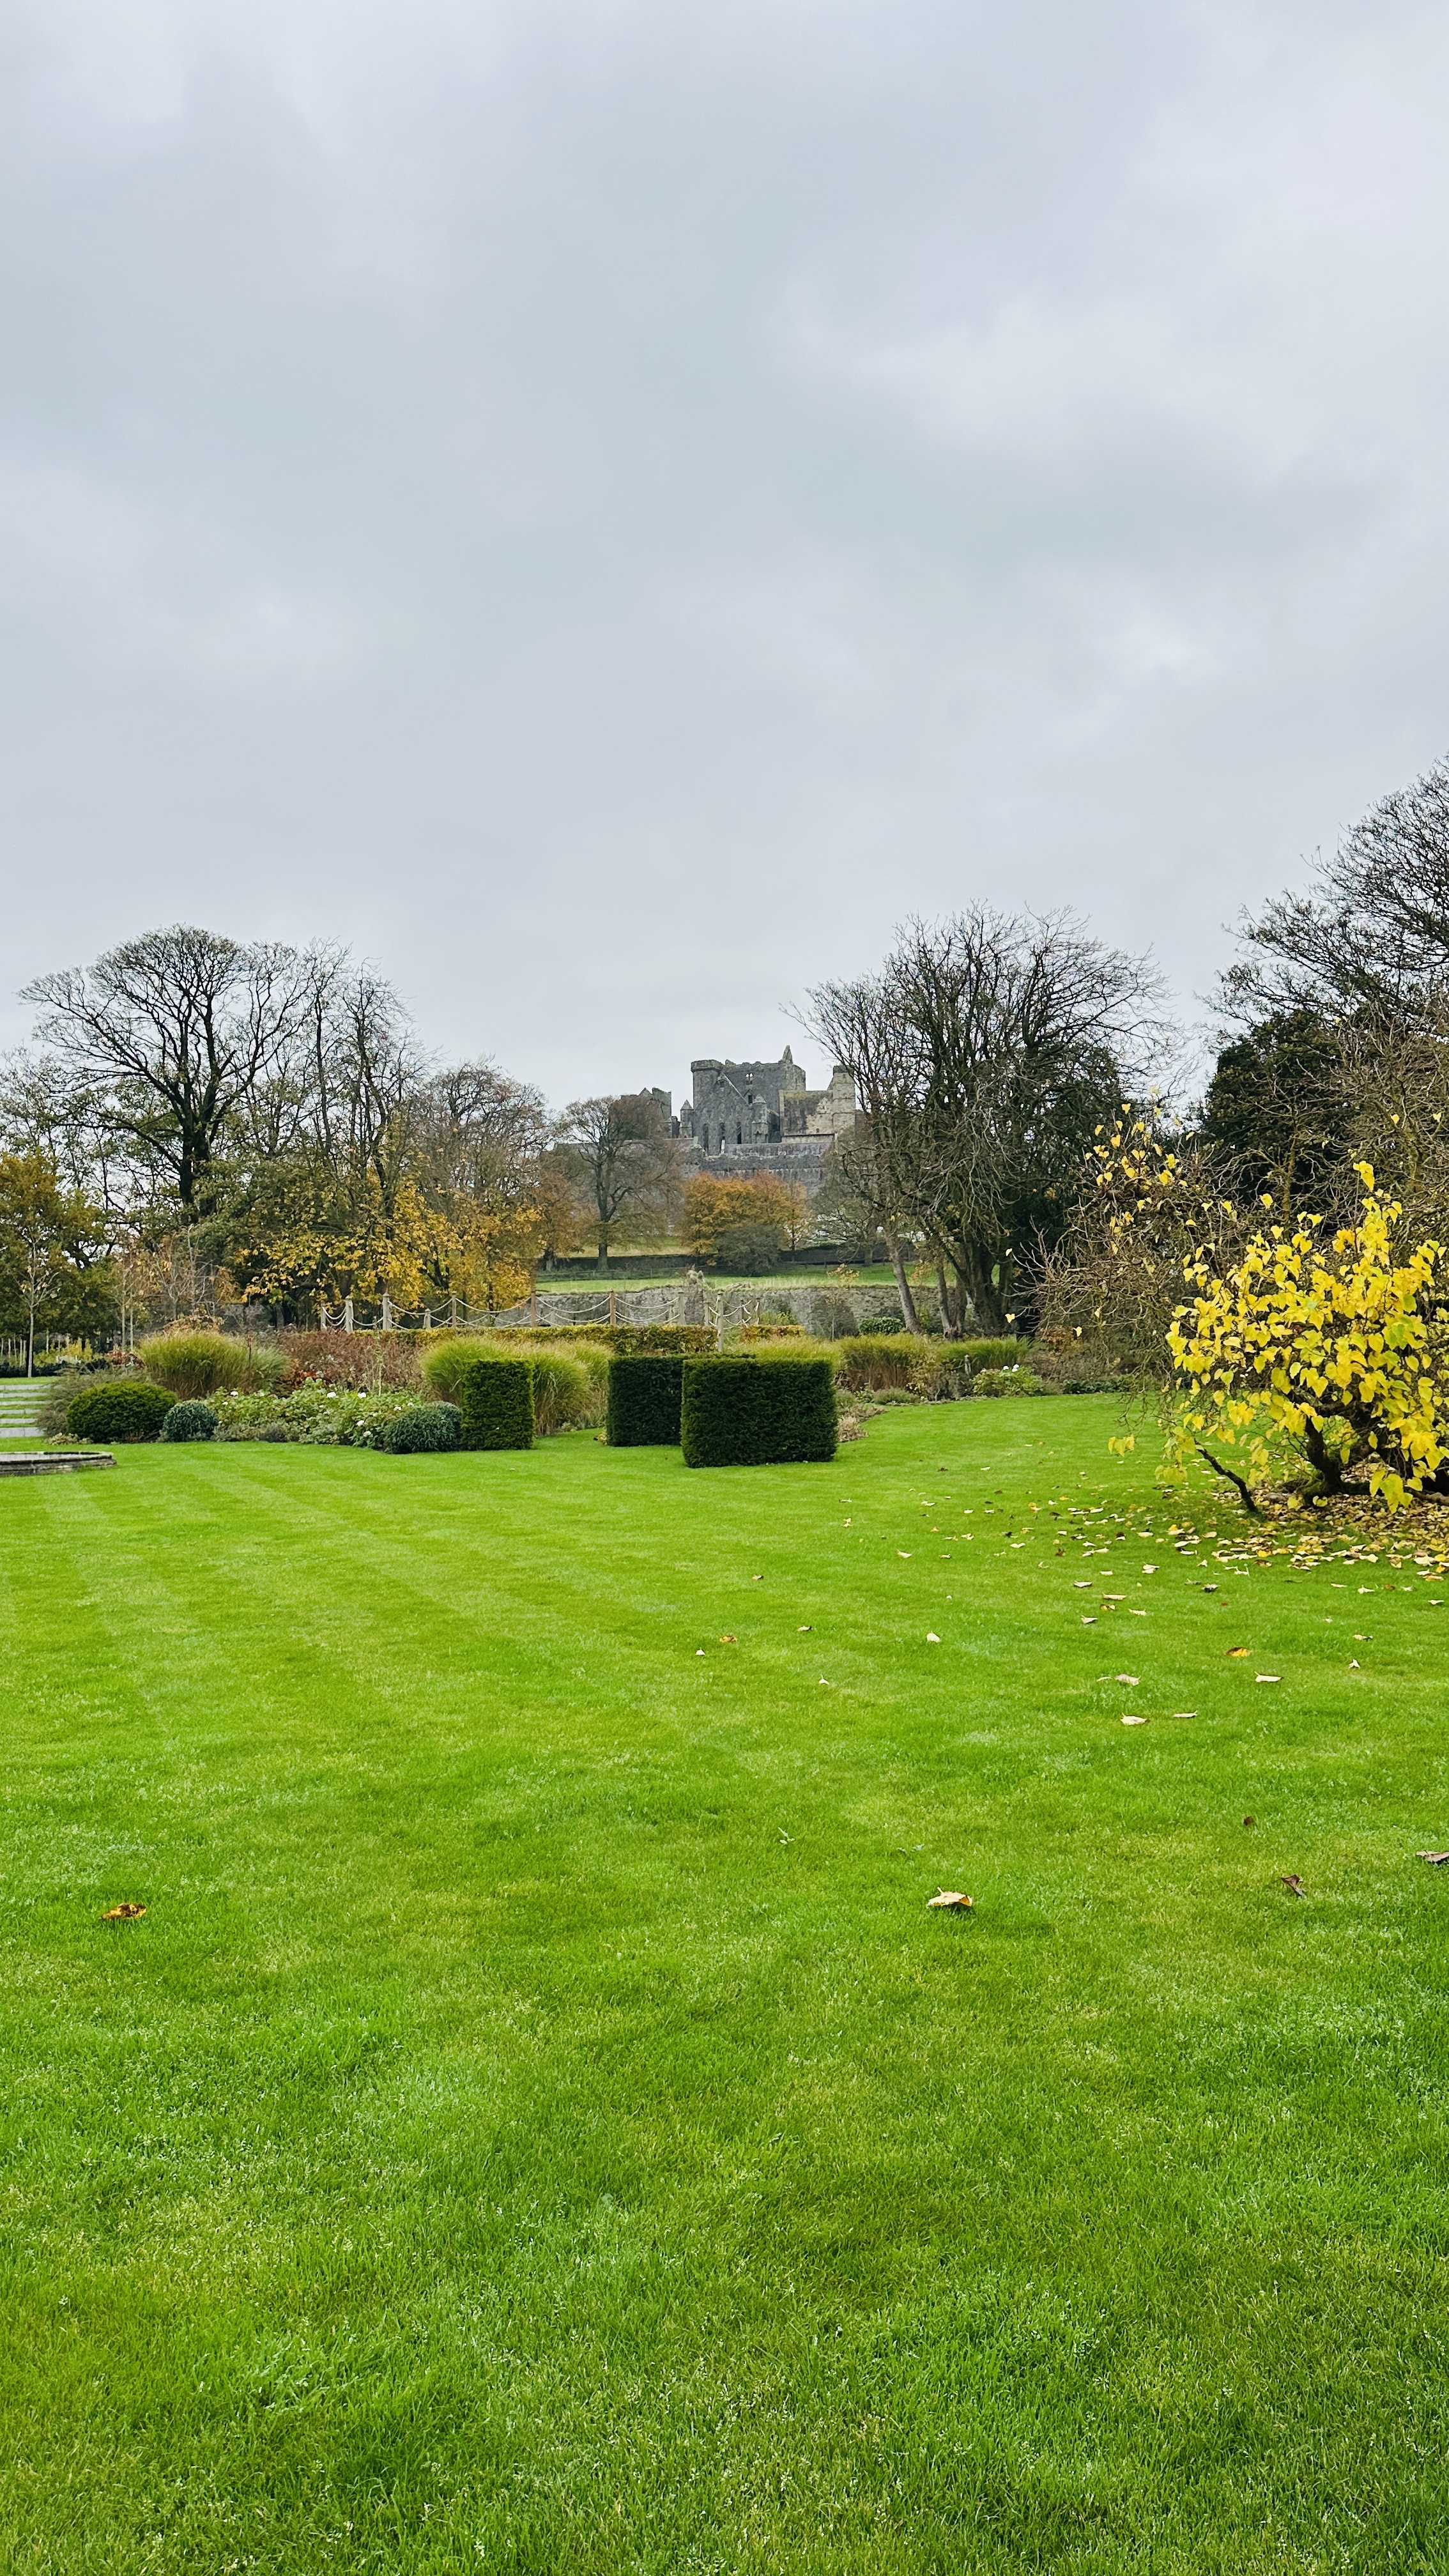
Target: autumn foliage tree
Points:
(1335, 1348)
(759, 1204)
(54, 1274)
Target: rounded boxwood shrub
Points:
(195, 1421)
(424, 1426)
(758, 1412)
(123, 1409)
(645, 1393)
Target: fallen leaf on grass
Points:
(1294, 1883)
(1354, 1665)
(1081, 1587)
(1235, 1653)
(1090, 1623)
(805, 1631)
(1149, 1569)
(1435, 1860)
(1184, 1712)
(1133, 1720)
(729, 1641)
(931, 1637)
(906, 1552)
(950, 1896)
(1267, 1677)
(123, 1913)
(1130, 1678)
(1210, 1587)
(1250, 1821)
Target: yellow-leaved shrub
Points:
(1336, 1349)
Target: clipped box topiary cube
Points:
(118, 1409)
(495, 1398)
(757, 1412)
(645, 1391)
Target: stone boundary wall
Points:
(827, 1312)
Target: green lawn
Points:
(537, 2124)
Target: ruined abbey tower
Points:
(763, 1118)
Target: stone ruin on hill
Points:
(748, 1118)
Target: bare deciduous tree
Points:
(1373, 934)
(996, 1046)
(626, 1162)
(180, 1027)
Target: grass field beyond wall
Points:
(537, 2124)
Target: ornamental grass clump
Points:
(197, 1364)
(570, 1387)
(770, 1409)
(570, 1379)
(910, 1364)
(446, 1361)
(190, 1421)
(1336, 1351)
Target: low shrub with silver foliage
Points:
(319, 1416)
(424, 1426)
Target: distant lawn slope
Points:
(537, 2125)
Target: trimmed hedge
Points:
(624, 1340)
(130, 1409)
(190, 1421)
(495, 1399)
(621, 1339)
(424, 1427)
(757, 1412)
(646, 1390)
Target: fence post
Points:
(347, 1314)
(386, 1312)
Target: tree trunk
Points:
(951, 1323)
(604, 1257)
(903, 1286)
(1327, 1463)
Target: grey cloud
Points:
(608, 507)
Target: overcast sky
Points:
(608, 505)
